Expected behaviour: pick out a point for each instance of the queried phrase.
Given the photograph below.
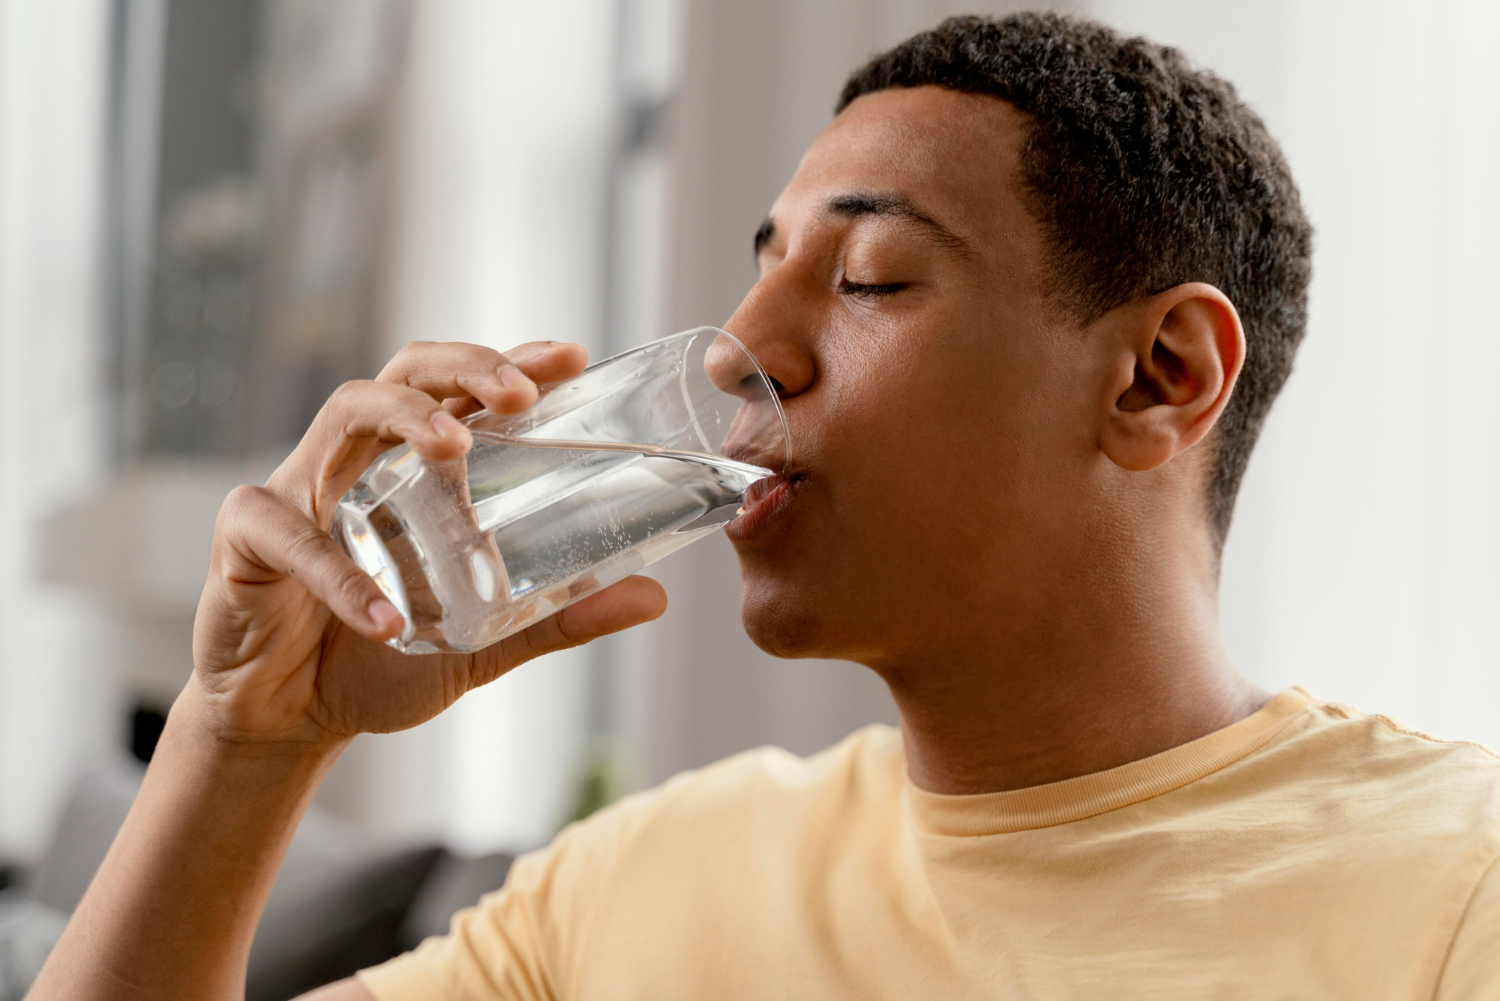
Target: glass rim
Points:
(786, 432)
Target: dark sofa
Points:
(342, 901)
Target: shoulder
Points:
(724, 820)
(1365, 794)
(715, 834)
(765, 784)
(869, 756)
(741, 794)
(1341, 797)
(1372, 753)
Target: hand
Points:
(288, 638)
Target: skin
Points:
(997, 506)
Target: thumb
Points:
(630, 602)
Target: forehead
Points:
(954, 155)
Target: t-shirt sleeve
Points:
(1473, 967)
(521, 942)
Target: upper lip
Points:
(758, 490)
(773, 461)
(759, 444)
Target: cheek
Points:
(927, 387)
(953, 418)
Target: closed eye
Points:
(846, 287)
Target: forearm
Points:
(173, 909)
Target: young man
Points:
(1028, 300)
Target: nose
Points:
(772, 325)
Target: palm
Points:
(364, 686)
(296, 668)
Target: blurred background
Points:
(214, 211)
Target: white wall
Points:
(57, 702)
(1365, 559)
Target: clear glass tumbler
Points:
(607, 473)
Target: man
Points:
(1028, 300)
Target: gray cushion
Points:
(337, 906)
(328, 917)
(455, 883)
(28, 930)
(90, 817)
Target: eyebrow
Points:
(864, 203)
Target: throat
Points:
(997, 728)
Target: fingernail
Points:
(445, 424)
(512, 378)
(383, 615)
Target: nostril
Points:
(749, 382)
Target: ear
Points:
(1178, 356)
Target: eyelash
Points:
(846, 287)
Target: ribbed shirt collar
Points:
(1089, 795)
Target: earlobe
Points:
(1182, 351)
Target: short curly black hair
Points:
(1144, 173)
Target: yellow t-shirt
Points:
(1308, 851)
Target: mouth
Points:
(765, 504)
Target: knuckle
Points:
(304, 544)
(308, 557)
(564, 636)
(312, 554)
(553, 633)
(354, 585)
(530, 643)
(346, 396)
(405, 416)
(542, 638)
(407, 359)
(240, 504)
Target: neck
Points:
(1069, 686)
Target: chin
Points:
(784, 623)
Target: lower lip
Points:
(757, 520)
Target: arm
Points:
(289, 666)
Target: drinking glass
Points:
(608, 472)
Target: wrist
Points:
(210, 722)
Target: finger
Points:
(630, 602)
(505, 383)
(549, 361)
(262, 537)
(359, 421)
